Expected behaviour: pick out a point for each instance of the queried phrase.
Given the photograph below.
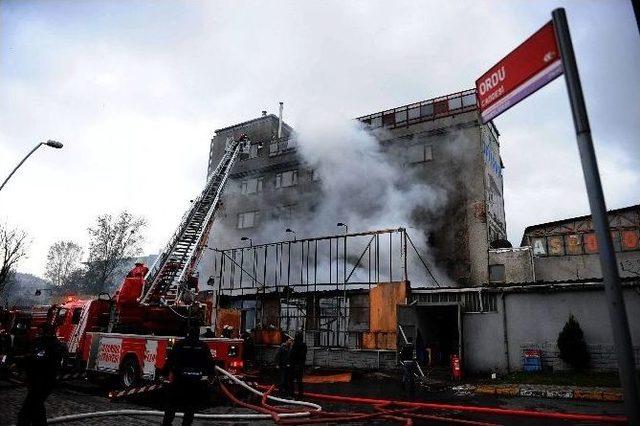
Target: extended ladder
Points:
(166, 279)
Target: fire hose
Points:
(404, 414)
(470, 409)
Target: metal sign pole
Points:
(611, 279)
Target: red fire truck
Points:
(130, 334)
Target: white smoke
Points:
(361, 184)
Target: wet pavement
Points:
(80, 396)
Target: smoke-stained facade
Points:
(446, 169)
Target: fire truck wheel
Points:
(129, 372)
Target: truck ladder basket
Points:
(165, 281)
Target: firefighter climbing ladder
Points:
(167, 277)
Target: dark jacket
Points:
(298, 355)
(189, 361)
(44, 361)
(282, 356)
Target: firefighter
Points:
(283, 364)
(188, 363)
(297, 359)
(408, 367)
(42, 368)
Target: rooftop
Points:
(417, 112)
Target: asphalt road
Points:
(80, 396)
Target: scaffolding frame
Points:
(316, 269)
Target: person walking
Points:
(297, 360)
(188, 363)
(283, 364)
(42, 369)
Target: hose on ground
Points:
(227, 417)
(578, 417)
(233, 378)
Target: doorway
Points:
(434, 330)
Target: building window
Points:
(287, 179)
(376, 121)
(252, 186)
(314, 176)
(388, 119)
(468, 100)
(401, 116)
(440, 107)
(455, 103)
(273, 149)
(420, 153)
(496, 274)
(539, 247)
(629, 239)
(414, 113)
(426, 110)
(556, 245)
(248, 219)
(573, 243)
(285, 213)
(590, 243)
(254, 151)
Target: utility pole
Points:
(610, 277)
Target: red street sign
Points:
(529, 67)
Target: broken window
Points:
(252, 186)
(420, 153)
(287, 212)
(496, 274)
(248, 219)
(440, 107)
(287, 179)
(254, 151)
(388, 119)
(376, 121)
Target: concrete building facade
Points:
(439, 141)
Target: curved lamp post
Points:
(52, 144)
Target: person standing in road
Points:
(188, 363)
(297, 359)
(42, 369)
(283, 364)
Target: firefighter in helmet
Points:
(42, 368)
(188, 364)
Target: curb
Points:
(543, 391)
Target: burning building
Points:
(457, 214)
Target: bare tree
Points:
(113, 241)
(13, 246)
(63, 261)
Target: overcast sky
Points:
(135, 90)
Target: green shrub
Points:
(573, 348)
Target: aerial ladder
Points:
(169, 281)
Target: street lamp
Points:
(291, 231)
(247, 239)
(52, 144)
(346, 227)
